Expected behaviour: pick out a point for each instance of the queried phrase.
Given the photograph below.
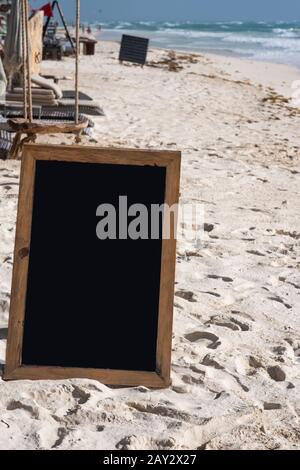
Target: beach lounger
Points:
(50, 98)
(10, 109)
(53, 114)
(38, 98)
(85, 107)
(7, 136)
(62, 106)
(66, 99)
(6, 142)
(70, 95)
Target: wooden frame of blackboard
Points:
(14, 368)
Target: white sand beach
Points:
(236, 345)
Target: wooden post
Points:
(28, 57)
(24, 60)
(77, 61)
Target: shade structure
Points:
(13, 41)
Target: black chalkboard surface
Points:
(83, 306)
(134, 49)
(112, 285)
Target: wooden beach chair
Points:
(66, 99)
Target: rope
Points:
(24, 61)
(28, 60)
(77, 62)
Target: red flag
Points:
(47, 9)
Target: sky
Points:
(181, 10)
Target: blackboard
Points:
(134, 49)
(82, 306)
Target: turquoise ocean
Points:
(268, 41)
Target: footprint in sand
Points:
(223, 324)
(297, 355)
(222, 377)
(223, 278)
(281, 301)
(210, 362)
(4, 305)
(210, 340)
(255, 252)
(272, 406)
(214, 294)
(242, 325)
(246, 316)
(3, 333)
(190, 380)
(283, 353)
(276, 373)
(232, 323)
(255, 363)
(186, 295)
